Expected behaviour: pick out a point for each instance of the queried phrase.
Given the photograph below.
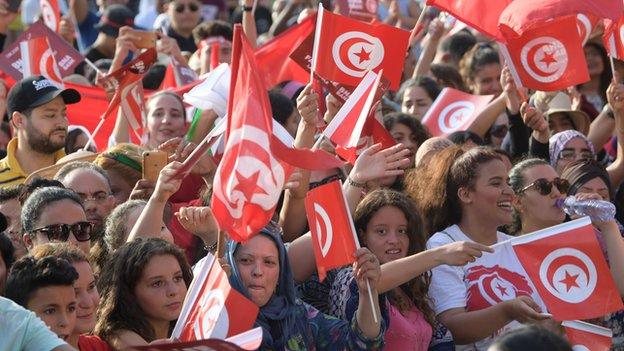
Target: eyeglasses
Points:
(192, 7)
(570, 155)
(544, 187)
(60, 232)
(99, 197)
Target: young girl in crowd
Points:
(417, 95)
(145, 285)
(387, 224)
(406, 130)
(261, 271)
(87, 295)
(469, 195)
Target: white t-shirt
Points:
(448, 288)
(22, 330)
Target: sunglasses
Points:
(60, 232)
(192, 7)
(544, 187)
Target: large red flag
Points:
(549, 57)
(333, 234)
(345, 49)
(212, 308)
(249, 179)
(567, 266)
(454, 110)
(523, 15)
(273, 57)
(474, 13)
(346, 129)
(613, 38)
(51, 14)
(38, 58)
(586, 336)
(93, 103)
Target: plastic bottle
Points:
(596, 209)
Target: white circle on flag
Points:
(48, 15)
(213, 321)
(47, 66)
(455, 115)
(584, 26)
(573, 280)
(495, 289)
(622, 34)
(326, 231)
(356, 52)
(579, 347)
(545, 59)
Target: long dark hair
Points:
(118, 307)
(417, 288)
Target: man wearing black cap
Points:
(37, 110)
(113, 18)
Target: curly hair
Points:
(417, 288)
(434, 188)
(119, 308)
(419, 131)
(68, 252)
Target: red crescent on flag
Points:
(344, 52)
(563, 260)
(531, 60)
(48, 67)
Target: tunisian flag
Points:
(38, 58)
(523, 15)
(474, 13)
(212, 309)
(454, 110)
(613, 38)
(51, 14)
(345, 49)
(273, 57)
(549, 57)
(568, 269)
(347, 129)
(333, 233)
(586, 336)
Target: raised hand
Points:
(375, 163)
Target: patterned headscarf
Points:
(558, 142)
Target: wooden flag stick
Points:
(220, 244)
(317, 37)
(419, 26)
(95, 131)
(612, 61)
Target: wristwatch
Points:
(247, 8)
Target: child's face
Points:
(56, 306)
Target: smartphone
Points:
(14, 5)
(144, 40)
(153, 163)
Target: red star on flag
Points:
(248, 185)
(569, 281)
(549, 57)
(502, 290)
(363, 55)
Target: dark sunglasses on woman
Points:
(60, 232)
(544, 187)
(192, 7)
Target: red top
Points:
(92, 343)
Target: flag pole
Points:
(504, 56)
(612, 54)
(317, 37)
(419, 26)
(95, 131)
(358, 246)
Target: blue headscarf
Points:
(284, 316)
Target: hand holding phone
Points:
(153, 163)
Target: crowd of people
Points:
(95, 257)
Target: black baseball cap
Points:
(113, 18)
(36, 91)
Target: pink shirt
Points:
(407, 332)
